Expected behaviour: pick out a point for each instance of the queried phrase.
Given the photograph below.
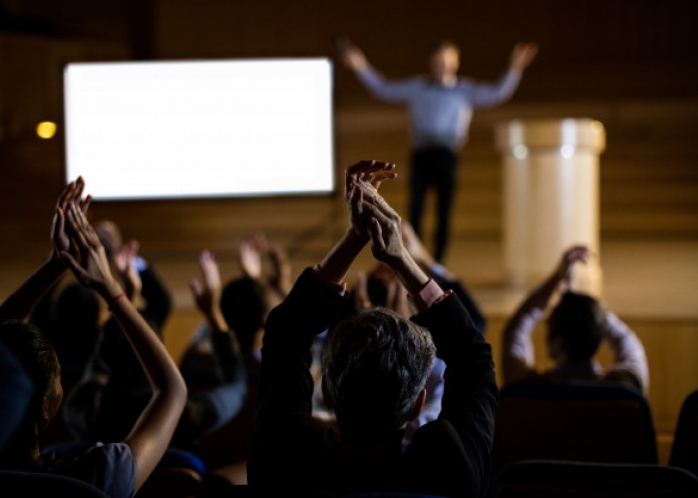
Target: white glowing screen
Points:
(173, 129)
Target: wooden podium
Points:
(550, 197)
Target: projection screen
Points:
(187, 129)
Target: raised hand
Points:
(125, 264)
(364, 178)
(250, 255)
(522, 55)
(90, 264)
(279, 276)
(574, 254)
(71, 195)
(384, 225)
(207, 291)
(352, 57)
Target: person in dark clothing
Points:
(114, 388)
(375, 366)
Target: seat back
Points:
(23, 484)
(561, 479)
(271, 491)
(589, 421)
(684, 449)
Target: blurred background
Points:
(633, 65)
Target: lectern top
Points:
(580, 133)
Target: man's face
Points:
(444, 62)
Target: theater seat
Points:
(250, 491)
(573, 420)
(565, 479)
(684, 449)
(29, 484)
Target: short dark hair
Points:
(579, 319)
(76, 319)
(34, 351)
(375, 364)
(244, 304)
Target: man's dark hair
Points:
(76, 315)
(33, 350)
(244, 304)
(375, 364)
(579, 319)
(377, 291)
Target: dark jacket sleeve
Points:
(470, 391)
(285, 383)
(466, 298)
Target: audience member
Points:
(140, 280)
(381, 287)
(120, 468)
(577, 325)
(245, 301)
(375, 366)
(16, 392)
(114, 388)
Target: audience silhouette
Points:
(117, 468)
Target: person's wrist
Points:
(354, 236)
(55, 262)
(110, 290)
(412, 276)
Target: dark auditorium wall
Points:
(632, 64)
(589, 49)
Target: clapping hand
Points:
(71, 195)
(574, 254)
(89, 263)
(207, 291)
(363, 179)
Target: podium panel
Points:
(550, 196)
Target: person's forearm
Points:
(216, 321)
(410, 274)
(518, 358)
(22, 301)
(336, 264)
(627, 349)
(152, 354)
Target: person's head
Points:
(77, 314)
(378, 284)
(244, 304)
(575, 327)
(38, 357)
(444, 60)
(375, 364)
(110, 236)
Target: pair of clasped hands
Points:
(370, 216)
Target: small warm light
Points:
(520, 151)
(567, 151)
(46, 129)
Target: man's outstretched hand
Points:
(352, 57)
(522, 56)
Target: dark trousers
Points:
(433, 167)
